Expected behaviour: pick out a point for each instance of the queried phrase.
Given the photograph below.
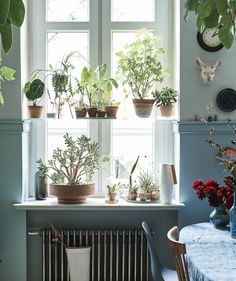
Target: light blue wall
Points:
(197, 159)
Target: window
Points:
(98, 29)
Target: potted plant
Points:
(111, 109)
(165, 99)
(112, 190)
(61, 79)
(133, 192)
(155, 193)
(146, 183)
(139, 68)
(34, 90)
(71, 170)
(80, 110)
(132, 188)
(96, 86)
(101, 112)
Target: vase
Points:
(79, 263)
(166, 184)
(232, 215)
(219, 217)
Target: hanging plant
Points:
(214, 14)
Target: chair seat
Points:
(169, 274)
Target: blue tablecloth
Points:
(211, 252)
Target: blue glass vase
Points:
(219, 217)
(232, 215)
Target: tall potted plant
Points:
(71, 170)
(139, 68)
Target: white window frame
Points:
(100, 33)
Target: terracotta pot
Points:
(81, 113)
(143, 107)
(143, 196)
(155, 196)
(111, 111)
(92, 112)
(132, 196)
(101, 113)
(35, 111)
(166, 110)
(72, 194)
(112, 196)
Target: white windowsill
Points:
(94, 204)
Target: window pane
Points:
(69, 10)
(59, 46)
(57, 129)
(132, 10)
(131, 139)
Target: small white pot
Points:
(166, 184)
(79, 263)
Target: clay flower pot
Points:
(92, 112)
(101, 113)
(155, 196)
(35, 111)
(132, 196)
(143, 107)
(72, 194)
(111, 111)
(80, 113)
(166, 110)
(143, 196)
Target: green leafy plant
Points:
(12, 13)
(6, 74)
(146, 178)
(214, 13)
(133, 189)
(165, 97)
(132, 171)
(75, 164)
(94, 83)
(139, 65)
(34, 90)
(112, 189)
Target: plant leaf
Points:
(221, 6)
(226, 31)
(205, 7)
(213, 19)
(16, 12)
(7, 73)
(4, 11)
(1, 98)
(6, 34)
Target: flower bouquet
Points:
(219, 197)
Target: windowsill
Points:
(94, 204)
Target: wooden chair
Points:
(179, 251)
(159, 272)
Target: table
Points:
(211, 252)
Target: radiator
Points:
(116, 255)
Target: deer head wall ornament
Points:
(207, 71)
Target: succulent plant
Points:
(74, 165)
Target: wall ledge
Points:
(14, 126)
(199, 127)
(95, 204)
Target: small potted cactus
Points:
(112, 190)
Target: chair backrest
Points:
(156, 266)
(179, 251)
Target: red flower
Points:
(215, 194)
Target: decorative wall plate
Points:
(226, 100)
